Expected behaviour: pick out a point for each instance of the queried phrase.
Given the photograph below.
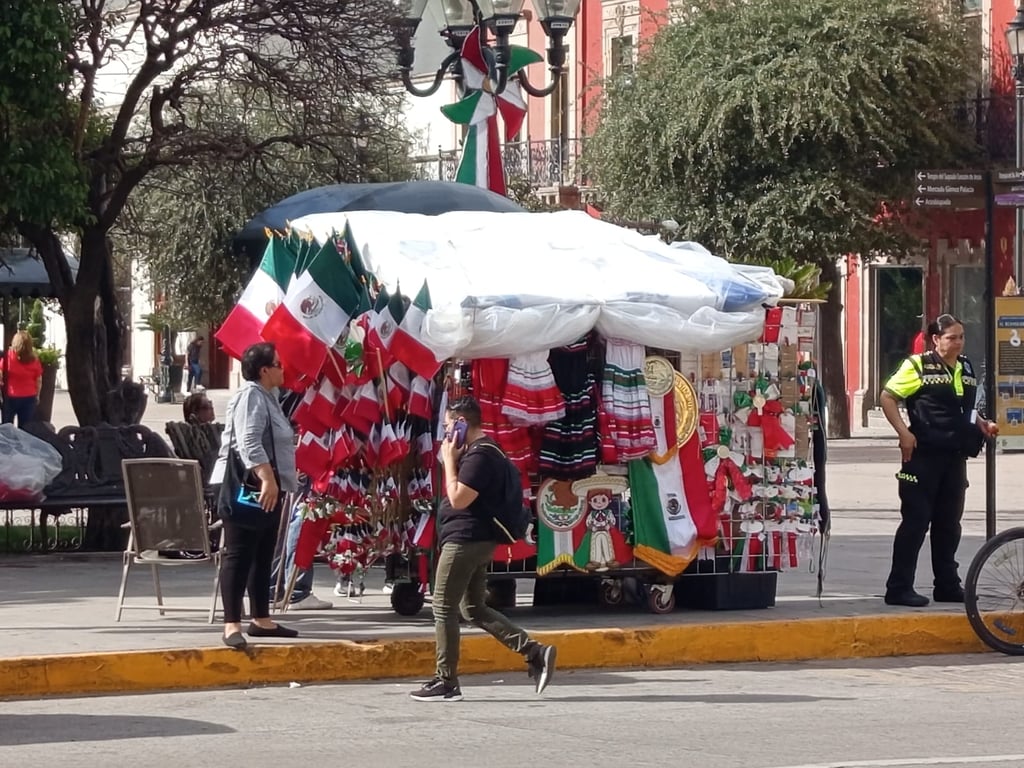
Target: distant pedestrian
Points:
(193, 354)
(473, 476)
(21, 374)
(939, 389)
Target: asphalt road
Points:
(910, 712)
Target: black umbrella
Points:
(427, 197)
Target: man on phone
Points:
(473, 476)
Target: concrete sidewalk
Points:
(59, 635)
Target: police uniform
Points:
(940, 401)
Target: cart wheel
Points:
(611, 592)
(406, 598)
(660, 600)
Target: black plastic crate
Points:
(727, 591)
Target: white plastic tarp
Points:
(507, 283)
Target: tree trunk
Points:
(833, 369)
(94, 330)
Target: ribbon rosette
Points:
(481, 164)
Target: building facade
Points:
(885, 301)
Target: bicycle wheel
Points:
(994, 592)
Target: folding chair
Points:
(166, 514)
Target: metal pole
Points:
(1018, 251)
(990, 356)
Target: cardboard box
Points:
(802, 437)
(711, 365)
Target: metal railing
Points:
(544, 163)
(992, 122)
(989, 121)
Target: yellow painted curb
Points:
(662, 646)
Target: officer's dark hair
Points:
(941, 324)
(256, 358)
(468, 408)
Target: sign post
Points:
(949, 189)
(953, 189)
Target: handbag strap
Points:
(270, 427)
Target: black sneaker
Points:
(542, 666)
(908, 597)
(437, 690)
(955, 595)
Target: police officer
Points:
(939, 389)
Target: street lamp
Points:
(1015, 44)
(498, 16)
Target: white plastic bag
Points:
(27, 465)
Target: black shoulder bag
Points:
(239, 497)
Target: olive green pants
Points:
(461, 580)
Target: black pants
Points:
(932, 487)
(247, 564)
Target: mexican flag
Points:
(407, 345)
(388, 312)
(315, 312)
(260, 298)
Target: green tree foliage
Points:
(775, 130)
(97, 98)
(40, 178)
(184, 219)
(37, 324)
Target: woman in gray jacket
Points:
(258, 429)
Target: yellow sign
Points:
(1008, 409)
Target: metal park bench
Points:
(90, 483)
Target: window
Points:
(621, 55)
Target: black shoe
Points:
(255, 630)
(949, 595)
(234, 640)
(542, 665)
(437, 690)
(908, 597)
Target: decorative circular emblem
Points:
(311, 306)
(687, 412)
(658, 372)
(723, 451)
(759, 401)
(387, 328)
(270, 307)
(558, 507)
(672, 507)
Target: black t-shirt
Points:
(481, 469)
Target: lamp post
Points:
(1015, 44)
(496, 16)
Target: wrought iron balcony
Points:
(991, 121)
(545, 163)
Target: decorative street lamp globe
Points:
(500, 17)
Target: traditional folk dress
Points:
(489, 376)
(531, 396)
(625, 418)
(568, 446)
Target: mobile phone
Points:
(458, 433)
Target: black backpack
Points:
(511, 515)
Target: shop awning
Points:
(22, 274)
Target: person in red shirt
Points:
(22, 373)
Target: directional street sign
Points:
(1008, 187)
(950, 189)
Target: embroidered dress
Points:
(568, 447)
(626, 427)
(531, 395)
(488, 386)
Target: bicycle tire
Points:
(994, 555)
